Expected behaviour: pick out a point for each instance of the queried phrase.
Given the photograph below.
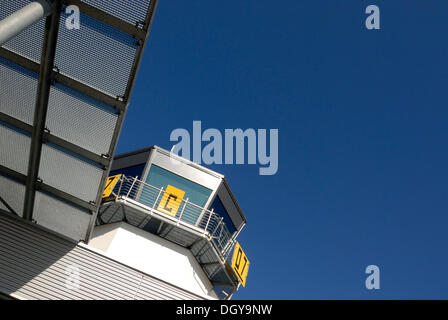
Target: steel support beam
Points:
(89, 91)
(56, 140)
(24, 18)
(49, 189)
(40, 114)
(135, 67)
(64, 80)
(107, 18)
(141, 49)
(65, 196)
(12, 174)
(106, 172)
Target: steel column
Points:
(40, 114)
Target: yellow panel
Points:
(171, 200)
(110, 185)
(240, 264)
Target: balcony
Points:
(202, 231)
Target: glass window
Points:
(218, 207)
(196, 193)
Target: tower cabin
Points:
(172, 219)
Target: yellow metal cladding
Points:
(110, 185)
(240, 264)
(171, 200)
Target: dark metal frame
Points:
(48, 74)
(63, 79)
(40, 113)
(108, 18)
(130, 86)
(48, 189)
(48, 137)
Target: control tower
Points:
(173, 219)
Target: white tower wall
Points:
(153, 255)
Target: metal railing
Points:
(208, 221)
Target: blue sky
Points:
(362, 135)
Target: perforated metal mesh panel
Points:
(17, 101)
(12, 192)
(80, 119)
(179, 236)
(128, 10)
(111, 214)
(60, 216)
(29, 42)
(69, 173)
(15, 148)
(95, 60)
(96, 54)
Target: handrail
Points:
(208, 221)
